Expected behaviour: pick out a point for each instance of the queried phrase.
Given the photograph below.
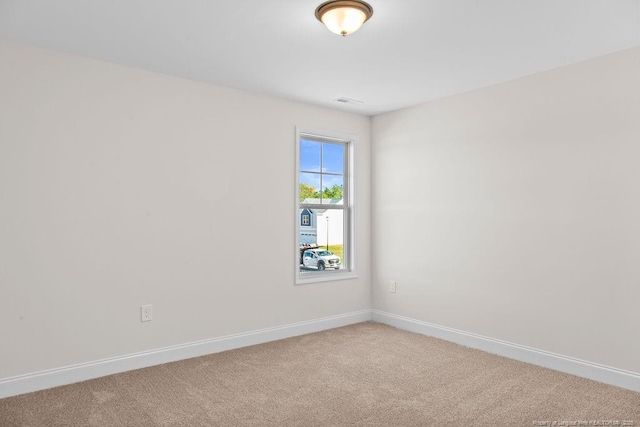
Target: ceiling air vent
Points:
(349, 101)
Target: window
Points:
(325, 207)
(306, 218)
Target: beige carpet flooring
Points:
(360, 375)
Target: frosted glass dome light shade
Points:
(344, 17)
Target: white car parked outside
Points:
(320, 259)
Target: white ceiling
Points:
(411, 51)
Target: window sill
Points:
(324, 277)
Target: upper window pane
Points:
(310, 156)
(333, 158)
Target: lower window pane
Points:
(322, 240)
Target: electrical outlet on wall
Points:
(146, 313)
(392, 286)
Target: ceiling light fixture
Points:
(344, 17)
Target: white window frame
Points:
(349, 262)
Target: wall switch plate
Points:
(146, 313)
(392, 287)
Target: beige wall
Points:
(510, 212)
(121, 187)
(513, 211)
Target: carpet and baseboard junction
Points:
(339, 371)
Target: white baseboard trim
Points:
(68, 375)
(570, 365)
(86, 371)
